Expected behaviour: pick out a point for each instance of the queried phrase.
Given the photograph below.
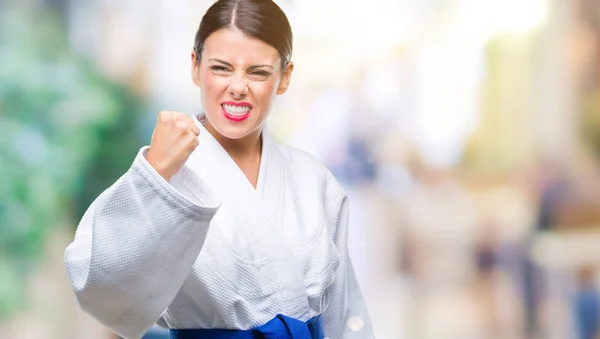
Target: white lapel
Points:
(211, 162)
(258, 219)
(259, 216)
(272, 180)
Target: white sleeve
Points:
(346, 316)
(134, 248)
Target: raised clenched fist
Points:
(175, 137)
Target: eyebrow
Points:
(231, 66)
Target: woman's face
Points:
(238, 78)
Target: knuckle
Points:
(187, 121)
(164, 116)
(179, 116)
(193, 142)
(181, 125)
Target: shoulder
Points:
(306, 161)
(310, 168)
(311, 177)
(303, 162)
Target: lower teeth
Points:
(238, 114)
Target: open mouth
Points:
(236, 111)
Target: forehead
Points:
(235, 47)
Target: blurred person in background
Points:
(487, 267)
(553, 187)
(586, 304)
(216, 231)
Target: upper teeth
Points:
(236, 110)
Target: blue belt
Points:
(280, 327)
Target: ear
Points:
(195, 69)
(286, 77)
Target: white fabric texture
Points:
(208, 250)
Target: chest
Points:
(289, 258)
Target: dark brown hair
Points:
(259, 19)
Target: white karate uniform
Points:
(208, 250)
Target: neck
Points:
(243, 150)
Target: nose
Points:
(238, 87)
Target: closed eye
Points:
(218, 68)
(260, 73)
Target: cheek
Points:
(264, 92)
(211, 85)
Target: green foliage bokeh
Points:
(66, 133)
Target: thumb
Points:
(152, 137)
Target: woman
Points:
(216, 231)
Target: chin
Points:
(232, 130)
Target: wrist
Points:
(159, 167)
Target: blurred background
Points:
(466, 132)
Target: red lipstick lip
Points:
(237, 104)
(235, 118)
